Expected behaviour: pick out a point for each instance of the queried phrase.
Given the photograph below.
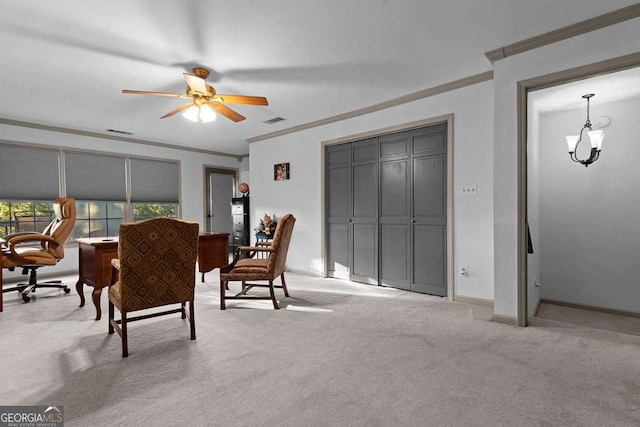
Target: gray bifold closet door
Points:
(386, 210)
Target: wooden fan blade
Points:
(227, 112)
(143, 92)
(239, 99)
(196, 83)
(177, 110)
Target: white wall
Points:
(191, 173)
(590, 237)
(589, 48)
(302, 194)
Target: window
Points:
(109, 189)
(20, 215)
(152, 210)
(98, 219)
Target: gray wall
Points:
(589, 217)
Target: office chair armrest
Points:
(16, 234)
(30, 237)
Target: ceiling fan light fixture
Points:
(191, 113)
(207, 114)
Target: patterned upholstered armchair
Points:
(259, 269)
(156, 266)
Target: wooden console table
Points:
(95, 255)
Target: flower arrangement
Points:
(267, 225)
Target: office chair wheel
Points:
(26, 298)
(67, 290)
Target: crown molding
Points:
(70, 131)
(611, 18)
(414, 96)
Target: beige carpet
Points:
(337, 354)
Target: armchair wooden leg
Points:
(183, 314)
(111, 317)
(284, 285)
(192, 320)
(223, 286)
(125, 345)
(273, 295)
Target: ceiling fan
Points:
(205, 102)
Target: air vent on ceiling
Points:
(122, 132)
(274, 120)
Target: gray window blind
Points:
(28, 173)
(95, 177)
(154, 181)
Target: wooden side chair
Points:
(156, 266)
(266, 269)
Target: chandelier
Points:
(595, 136)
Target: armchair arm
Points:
(115, 271)
(252, 251)
(256, 249)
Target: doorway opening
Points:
(220, 189)
(548, 180)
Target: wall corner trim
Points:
(579, 28)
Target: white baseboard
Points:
(473, 300)
(508, 320)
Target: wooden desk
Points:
(95, 255)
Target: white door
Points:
(221, 190)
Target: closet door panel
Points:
(338, 251)
(429, 190)
(364, 220)
(338, 211)
(394, 259)
(429, 259)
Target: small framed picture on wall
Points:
(281, 172)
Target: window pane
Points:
(98, 218)
(115, 210)
(98, 228)
(18, 216)
(114, 226)
(82, 210)
(97, 210)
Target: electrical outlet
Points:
(469, 190)
(464, 271)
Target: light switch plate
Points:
(469, 190)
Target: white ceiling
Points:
(606, 88)
(65, 62)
